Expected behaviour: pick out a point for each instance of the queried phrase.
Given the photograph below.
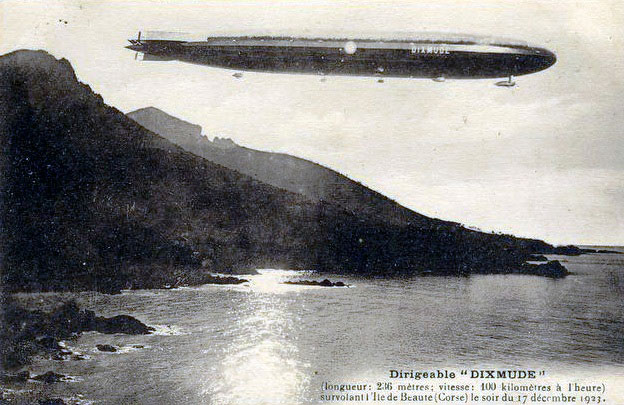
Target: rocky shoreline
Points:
(28, 333)
(31, 333)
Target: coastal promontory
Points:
(90, 199)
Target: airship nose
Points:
(549, 57)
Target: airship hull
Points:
(427, 59)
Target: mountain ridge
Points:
(302, 176)
(281, 170)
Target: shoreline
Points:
(19, 386)
(38, 331)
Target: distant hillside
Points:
(304, 177)
(280, 170)
(89, 199)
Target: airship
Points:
(433, 56)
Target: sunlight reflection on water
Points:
(265, 342)
(261, 365)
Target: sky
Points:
(544, 159)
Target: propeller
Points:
(136, 41)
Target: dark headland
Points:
(90, 199)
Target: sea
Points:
(266, 342)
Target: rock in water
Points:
(51, 401)
(552, 269)
(122, 324)
(106, 348)
(49, 378)
(324, 283)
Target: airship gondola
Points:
(431, 56)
